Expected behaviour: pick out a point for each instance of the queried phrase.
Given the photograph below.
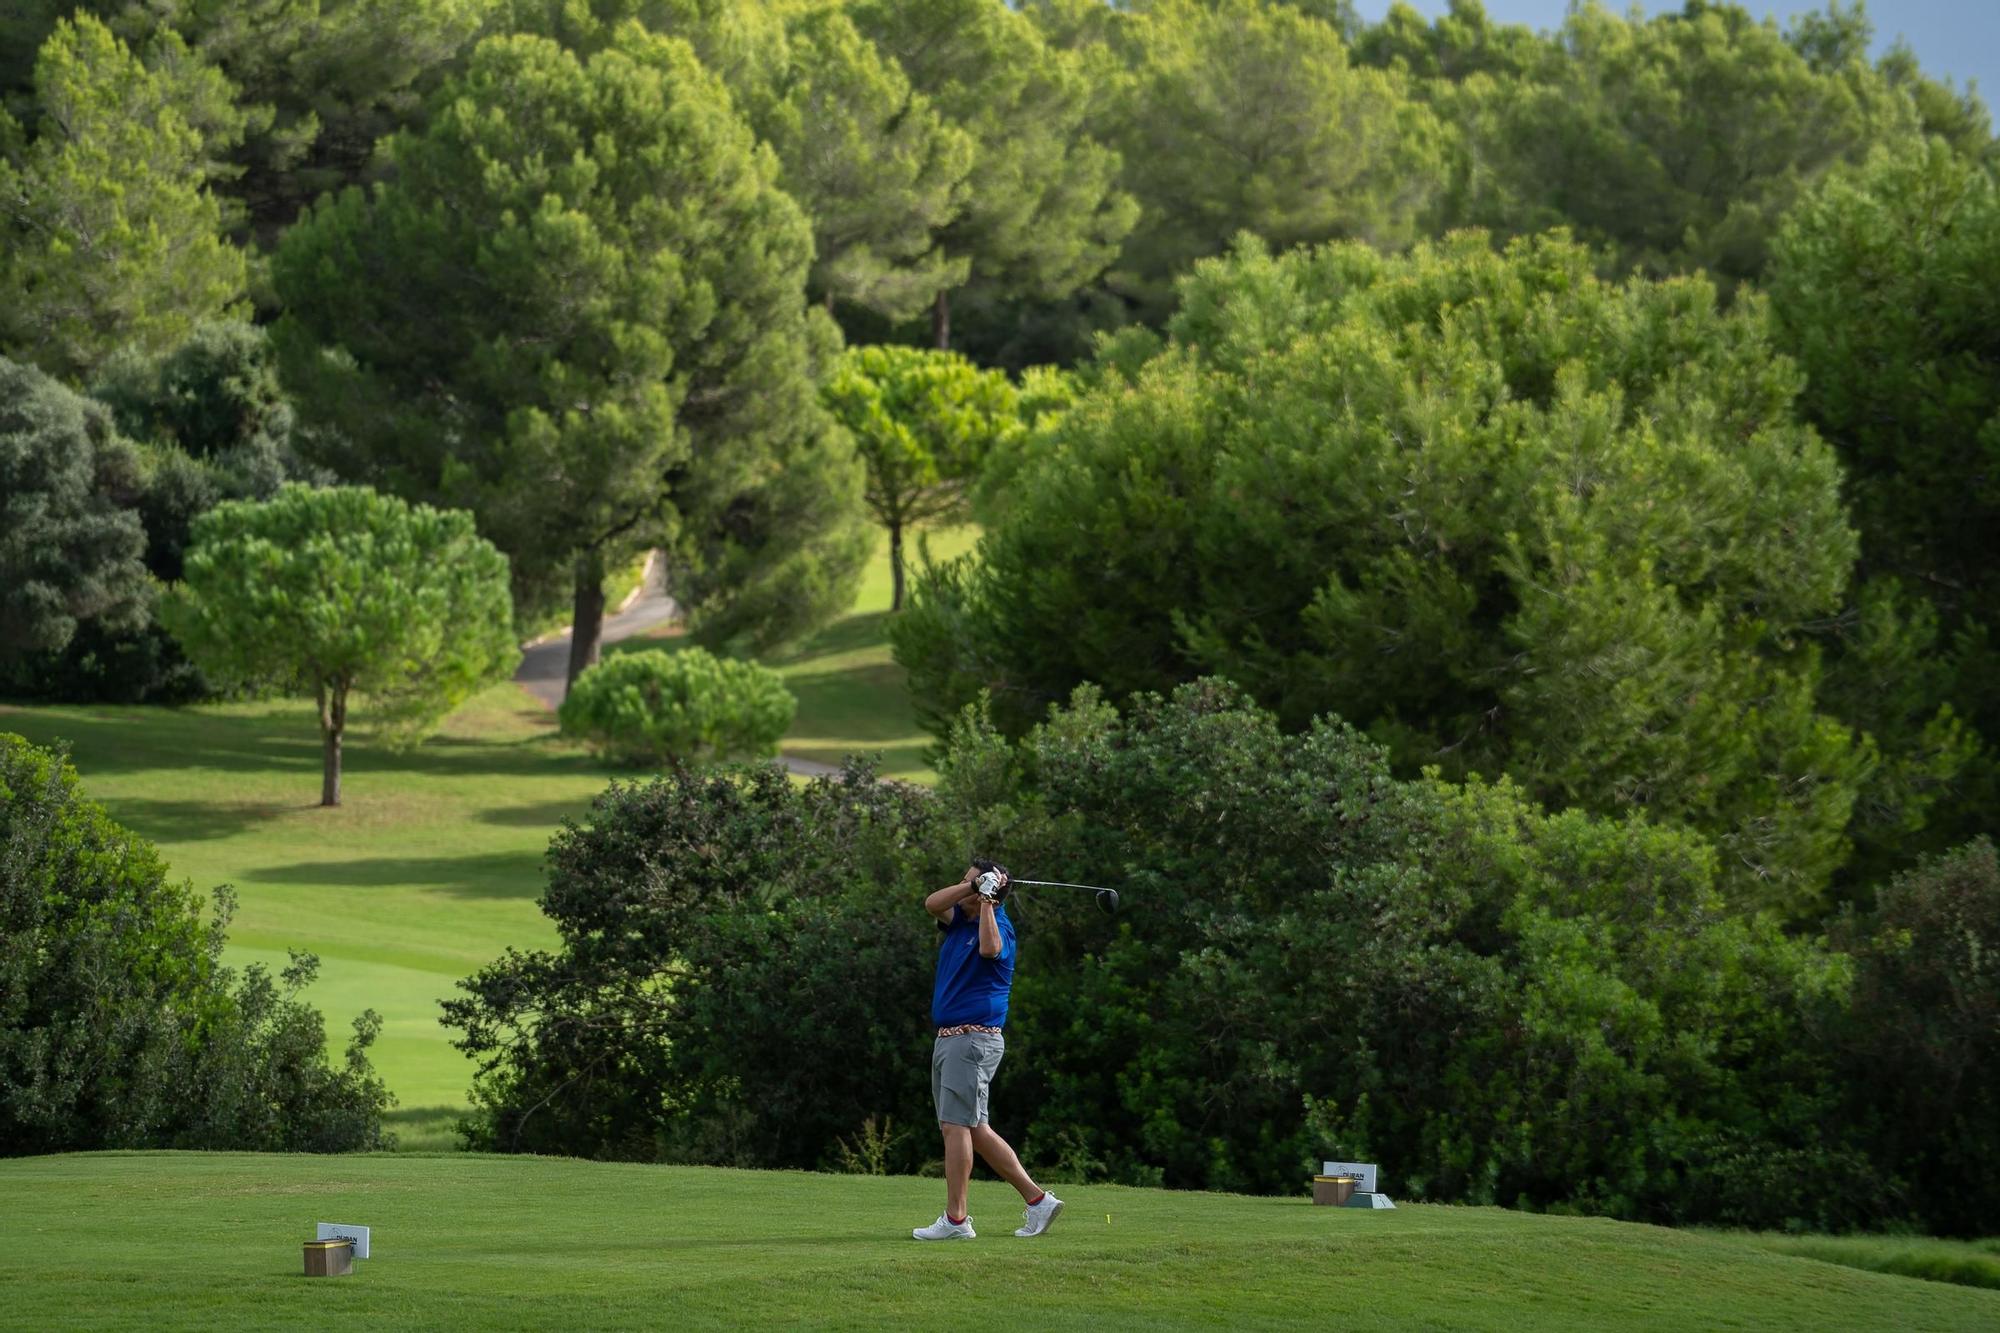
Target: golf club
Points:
(1106, 898)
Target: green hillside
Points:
(164, 1240)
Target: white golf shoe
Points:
(1041, 1216)
(946, 1229)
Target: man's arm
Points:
(939, 904)
(989, 931)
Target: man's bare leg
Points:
(1000, 1156)
(957, 1168)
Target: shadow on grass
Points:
(425, 1128)
(491, 875)
(545, 814)
(135, 739)
(864, 703)
(198, 821)
(846, 635)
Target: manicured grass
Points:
(163, 1240)
(1974, 1263)
(429, 868)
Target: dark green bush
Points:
(119, 1026)
(655, 707)
(1924, 1040)
(743, 976)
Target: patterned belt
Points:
(964, 1028)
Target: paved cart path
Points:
(545, 663)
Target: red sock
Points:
(955, 1221)
(1038, 1198)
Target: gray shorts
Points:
(961, 1072)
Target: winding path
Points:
(545, 662)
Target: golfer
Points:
(975, 969)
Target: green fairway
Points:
(164, 1240)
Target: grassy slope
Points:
(432, 865)
(212, 1241)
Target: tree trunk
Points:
(829, 300)
(587, 620)
(332, 726)
(896, 566)
(941, 322)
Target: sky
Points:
(1955, 38)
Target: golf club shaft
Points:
(1058, 884)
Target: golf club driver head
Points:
(1108, 900)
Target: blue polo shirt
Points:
(971, 989)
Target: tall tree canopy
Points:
(1510, 518)
(1883, 287)
(319, 81)
(924, 423)
(1244, 115)
(1676, 141)
(343, 590)
(109, 235)
(577, 308)
(1043, 212)
(877, 169)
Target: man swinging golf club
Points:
(975, 970)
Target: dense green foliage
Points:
(656, 708)
(69, 545)
(875, 166)
(210, 422)
(342, 590)
(119, 1026)
(1042, 212)
(1240, 115)
(1505, 516)
(1925, 1063)
(109, 235)
(577, 310)
(924, 424)
(1676, 141)
(1883, 289)
(1315, 960)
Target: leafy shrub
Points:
(708, 921)
(119, 1026)
(655, 707)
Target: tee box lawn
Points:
(213, 1241)
(432, 865)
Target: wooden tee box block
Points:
(1333, 1191)
(330, 1258)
